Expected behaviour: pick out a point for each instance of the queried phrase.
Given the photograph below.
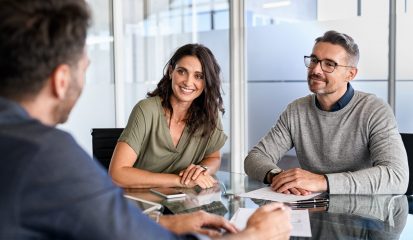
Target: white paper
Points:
(300, 221)
(267, 193)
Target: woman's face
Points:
(187, 79)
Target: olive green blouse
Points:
(147, 133)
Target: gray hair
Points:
(343, 40)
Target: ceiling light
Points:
(276, 4)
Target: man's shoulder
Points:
(368, 99)
(301, 102)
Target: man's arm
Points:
(265, 155)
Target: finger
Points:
(281, 180)
(201, 184)
(219, 222)
(294, 191)
(287, 192)
(207, 181)
(190, 174)
(186, 172)
(303, 191)
(210, 232)
(287, 186)
(198, 171)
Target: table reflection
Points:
(346, 217)
(361, 217)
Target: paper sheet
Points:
(267, 193)
(300, 221)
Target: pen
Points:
(315, 200)
(307, 206)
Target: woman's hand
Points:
(191, 173)
(205, 181)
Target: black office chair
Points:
(103, 143)
(408, 144)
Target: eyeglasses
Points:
(327, 65)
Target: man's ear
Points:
(352, 74)
(60, 80)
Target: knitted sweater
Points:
(358, 148)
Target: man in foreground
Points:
(347, 141)
(49, 187)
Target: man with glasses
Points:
(347, 141)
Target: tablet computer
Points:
(144, 205)
(168, 192)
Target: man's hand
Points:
(197, 222)
(271, 221)
(299, 182)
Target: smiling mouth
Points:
(187, 90)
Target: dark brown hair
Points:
(203, 113)
(36, 36)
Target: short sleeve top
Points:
(147, 133)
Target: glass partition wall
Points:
(404, 67)
(277, 33)
(153, 29)
(96, 106)
(280, 33)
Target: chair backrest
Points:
(408, 144)
(103, 143)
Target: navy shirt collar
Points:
(11, 111)
(342, 102)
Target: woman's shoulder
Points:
(149, 104)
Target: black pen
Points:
(315, 200)
(309, 206)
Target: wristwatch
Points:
(271, 174)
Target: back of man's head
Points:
(36, 36)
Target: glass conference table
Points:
(346, 217)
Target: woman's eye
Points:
(199, 76)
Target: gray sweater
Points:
(358, 148)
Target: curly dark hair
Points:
(36, 36)
(203, 112)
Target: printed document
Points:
(300, 221)
(267, 193)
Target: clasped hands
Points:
(196, 175)
(298, 181)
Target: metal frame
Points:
(238, 134)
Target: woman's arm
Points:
(125, 175)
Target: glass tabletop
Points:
(347, 216)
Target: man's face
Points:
(335, 83)
(74, 90)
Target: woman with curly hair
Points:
(173, 138)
